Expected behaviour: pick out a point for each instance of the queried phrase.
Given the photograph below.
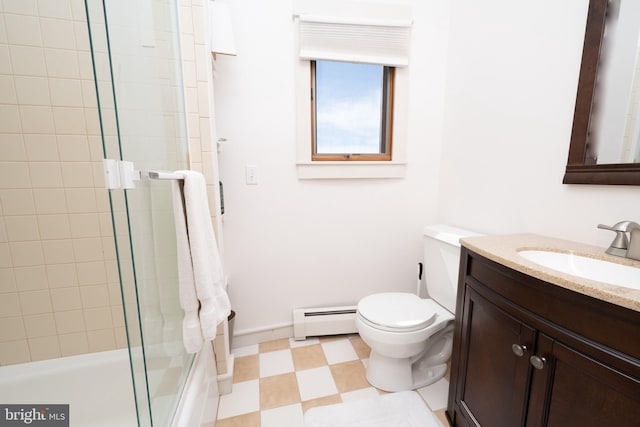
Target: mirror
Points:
(605, 139)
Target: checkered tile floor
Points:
(276, 382)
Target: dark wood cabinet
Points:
(530, 353)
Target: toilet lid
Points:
(396, 310)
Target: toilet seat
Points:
(396, 312)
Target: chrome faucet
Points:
(623, 246)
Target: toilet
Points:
(411, 338)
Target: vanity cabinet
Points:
(531, 353)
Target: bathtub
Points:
(96, 386)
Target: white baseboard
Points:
(259, 335)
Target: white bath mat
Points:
(403, 409)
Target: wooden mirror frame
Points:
(581, 167)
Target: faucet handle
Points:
(620, 226)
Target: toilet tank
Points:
(441, 262)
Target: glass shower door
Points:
(136, 56)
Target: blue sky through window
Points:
(348, 107)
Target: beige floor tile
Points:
(274, 345)
(308, 357)
(321, 401)
(279, 390)
(246, 368)
(362, 349)
(349, 376)
(246, 420)
(442, 417)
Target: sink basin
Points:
(585, 267)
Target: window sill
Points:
(351, 170)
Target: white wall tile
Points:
(40, 325)
(24, 7)
(7, 90)
(62, 275)
(88, 249)
(24, 254)
(32, 90)
(92, 273)
(5, 256)
(73, 343)
(64, 299)
(69, 321)
(35, 302)
(17, 202)
(84, 225)
(73, 148)
(81, 200)
(23, 30)
(50, 201)
(31, 278)
(101, 340)
(55, 9)
(12, 329)
(57, 33)
(10, 305)
(57, 251)
(14, 352)
(62, 63)
(36, 119)
(98, 318)
(69, 121)
(14, 175)
(28, 61)
(22, 228)
(5, 60)
(66, 92)
(45, 174)
(12, 147)
(10, 119)
(7, 281)
(54, 226)
(77, 174)
(43, 348)
(41, 147)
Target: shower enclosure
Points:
(88, 276)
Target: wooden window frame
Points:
(386, 137)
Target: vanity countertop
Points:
(504, 250)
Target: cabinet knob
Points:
(537, 362)
(518, 349)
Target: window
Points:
(351, 111)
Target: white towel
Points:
(201, 280)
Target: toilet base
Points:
(395, 374)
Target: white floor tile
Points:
(275, 363)
(339, 351)
(364, 393)
(436, 394)
(247, 350)
(290, 416)
(244, 398)
(314, 383)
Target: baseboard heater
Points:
(312, 322)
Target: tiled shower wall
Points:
(59, 286)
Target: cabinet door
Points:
(572, 389)
(492, 389)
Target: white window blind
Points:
(350, 39)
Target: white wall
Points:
(492, 92)
(293, 243)
(511, 84)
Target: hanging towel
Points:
(201, 279)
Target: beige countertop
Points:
(504, 250)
